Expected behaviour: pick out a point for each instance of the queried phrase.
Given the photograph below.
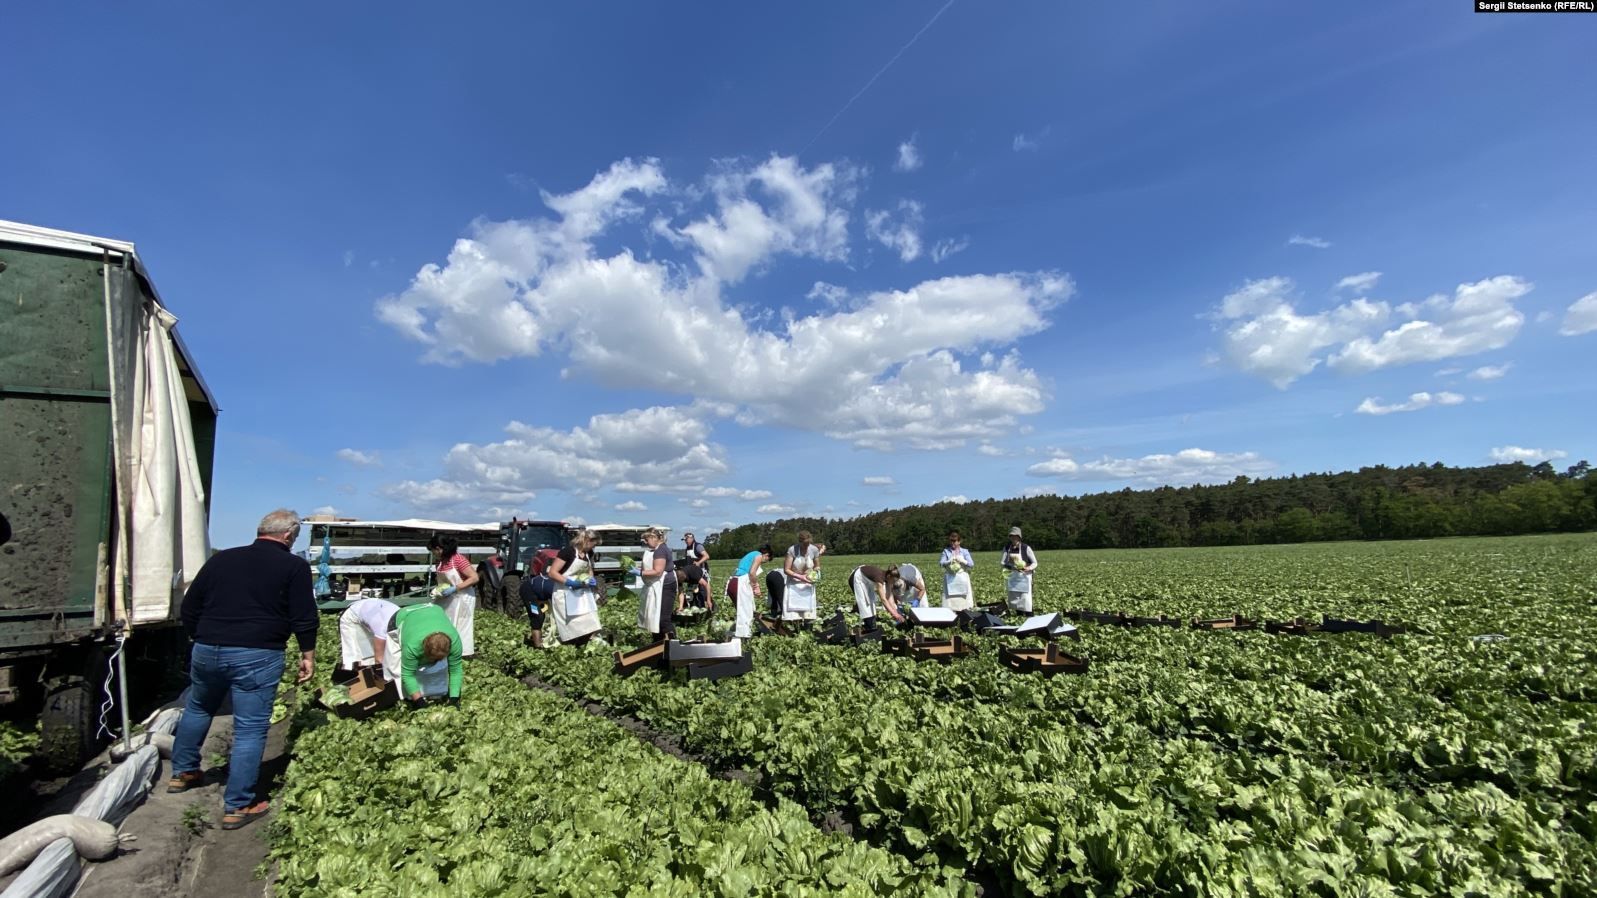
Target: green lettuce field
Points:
(1456, 759)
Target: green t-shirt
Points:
(415, 624)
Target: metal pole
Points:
(122, 689)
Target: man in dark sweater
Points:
(239, 611)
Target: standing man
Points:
(1019, 562)
(239, 611)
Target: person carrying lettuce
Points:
(576, 599)
(430, 664)
(956, 563)
(1019, 562)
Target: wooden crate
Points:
(1048, 660)
(1295, 627)
(1157, 621)
(1234, 622)
(1378, 627)
(651, 655)
(941, 650)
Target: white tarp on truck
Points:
(161, 537)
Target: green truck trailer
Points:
(107, 435)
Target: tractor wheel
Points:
(510, 594)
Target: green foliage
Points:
(1413, 502)
(519, 792)
(1191, 762)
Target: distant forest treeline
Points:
(1411, 502)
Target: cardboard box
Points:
(681, 654)
(1047, 661)
(934, 617)
(368, 694)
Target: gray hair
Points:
(280, 521)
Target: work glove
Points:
(591, 583)
(446, 592)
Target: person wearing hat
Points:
(1019, 561)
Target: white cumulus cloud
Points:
(775, 508)
(879, 480)
(731, 492)
(1265, 334)
(908, 156)
(900, 234)
(1372, 405)
(1359, 283)
(957, 499)
(1316, 242)
(631, 505)
(1580, 317)
(357, 457)
(1490, 372)
(1185, 467)
(1505, 454)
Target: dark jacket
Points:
(252, 597)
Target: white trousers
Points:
(355, 645)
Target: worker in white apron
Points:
(659, 585)
(1019, 562)
(576, 603)
(801, 569)
(456, 591)
(956, 564)
(744, 587)
(909, 587)
(363, 636)
(871, 584)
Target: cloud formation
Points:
(908, 156)
(357, 457)
(1185, 467)
(1266, 335)
(1506, 454)
(1373, 406)
(526, 287)
(1580, 317)
(1316, 242)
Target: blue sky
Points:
(722, 263)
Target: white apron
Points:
(433, 679)
(653, 593)
(864, 594)
(956, 589)
(798, 601)
(461, 608)
(391, 658)
(745, 607)
(576, 611)
(1019, 587)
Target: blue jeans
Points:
(251, 676)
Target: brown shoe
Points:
(242, 816)
(182, 782)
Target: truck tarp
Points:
(161, 534)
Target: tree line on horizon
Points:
(1374, 503)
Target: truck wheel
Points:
(66, 725)
(510, 594)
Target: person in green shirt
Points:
(426, 637)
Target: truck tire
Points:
(66, 724)
(510, 594)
